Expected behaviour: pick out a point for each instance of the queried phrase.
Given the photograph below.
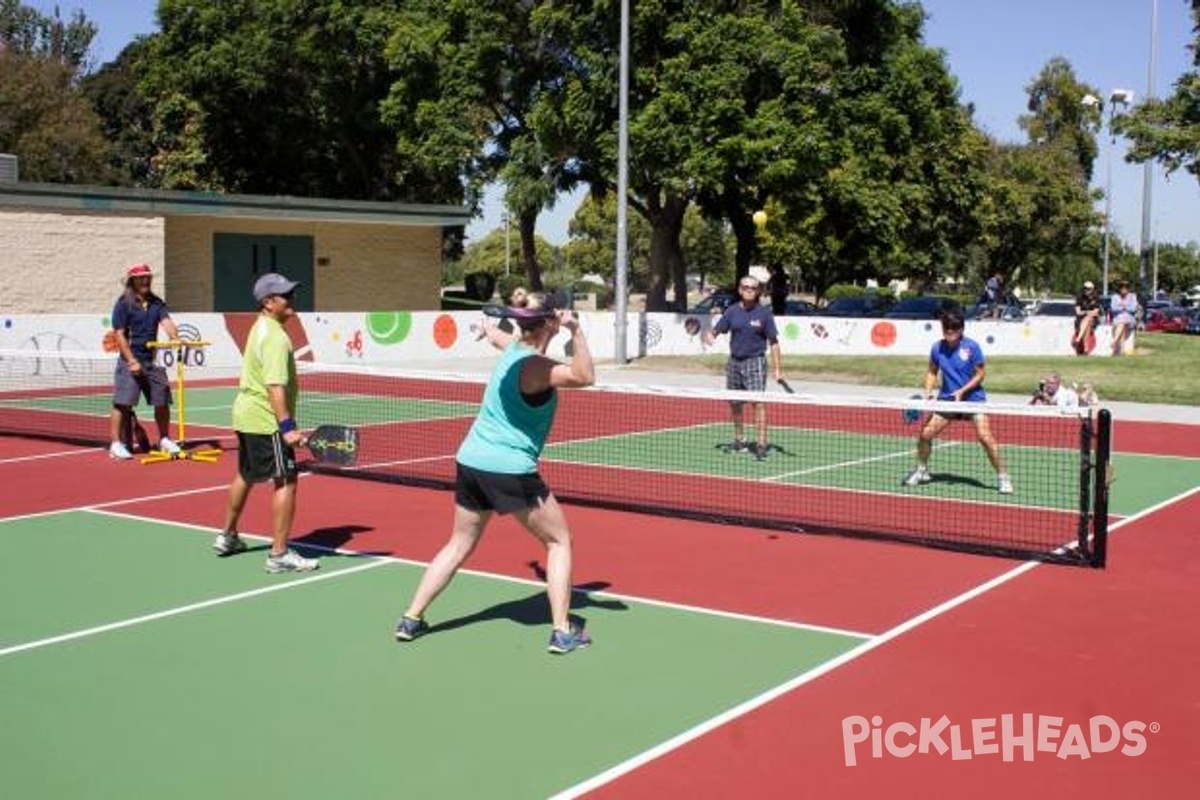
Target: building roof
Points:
(165, 203)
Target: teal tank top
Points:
(508, 434)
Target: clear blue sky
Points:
(994, 48)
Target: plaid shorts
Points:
(746, 374)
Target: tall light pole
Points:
(1121, 97)
(621, 268)
(1148, 171)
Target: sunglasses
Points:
(749, 286)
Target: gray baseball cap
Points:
(271, 284)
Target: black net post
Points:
(1101, 477)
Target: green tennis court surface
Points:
(301, 692)
(212, 406)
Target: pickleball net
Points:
(67, 395)
(830, 466)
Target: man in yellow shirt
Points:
(264, 419)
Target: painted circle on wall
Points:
(791, 331)
(445, 331)
(883, 334)
(653, 334)
(691, 325)
(389, 327)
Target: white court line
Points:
(855, 463)
(675, 742)
(86, 451)
(500, 577)
(173, 612)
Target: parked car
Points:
(799, 308)
(1193, 325)
(722, 299)
(715, 303)
(1170, 320)
(1054, 308)
(864, 305)
(928, 306)
(1011, 311)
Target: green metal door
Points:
(240, 259)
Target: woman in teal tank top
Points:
(497, 469)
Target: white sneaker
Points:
(119, 451)
(918, 476)
(291, 561)
(228, 544)
(167, 446)
(1005, 485)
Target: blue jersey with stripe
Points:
(509, 433)
(957, 365)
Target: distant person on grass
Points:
(1087, 312)
(500, 335)
(959, 362)
(497, 469)
(136, 318)
(264, 416)
(993, 295)
(751, 328)
(1124, 308)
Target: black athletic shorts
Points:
(265, 457)
(479, 490)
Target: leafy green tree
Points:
(1168, 130)
(1060, 114)
(476, 97)
(489, 254)
(126, 115)
(1037, 215)
(279, 97)
(44, 118)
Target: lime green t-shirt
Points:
(268, 361)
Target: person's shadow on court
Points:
(534, 610)
(324, 542)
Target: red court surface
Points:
(1048, 641)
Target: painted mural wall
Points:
(430, 339)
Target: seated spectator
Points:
(1051, 392)
(1124, 306)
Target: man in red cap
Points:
(136, 317)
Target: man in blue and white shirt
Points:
(960, 363)
(751, 328)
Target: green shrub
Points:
(843, 290)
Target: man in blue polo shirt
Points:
(751, 328)
(135, 320)
(960, 363)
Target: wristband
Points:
(287, 425)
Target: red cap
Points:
(139, 271)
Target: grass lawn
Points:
(1165, 369)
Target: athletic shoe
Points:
(739, 446)
(918, 476)
(291, 561)
(760, 451)
(167, 446)
(228, 544)
(408, 629)
(562, 642)
(119, 451)
(1005, 485)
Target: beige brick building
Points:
(64, 249)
